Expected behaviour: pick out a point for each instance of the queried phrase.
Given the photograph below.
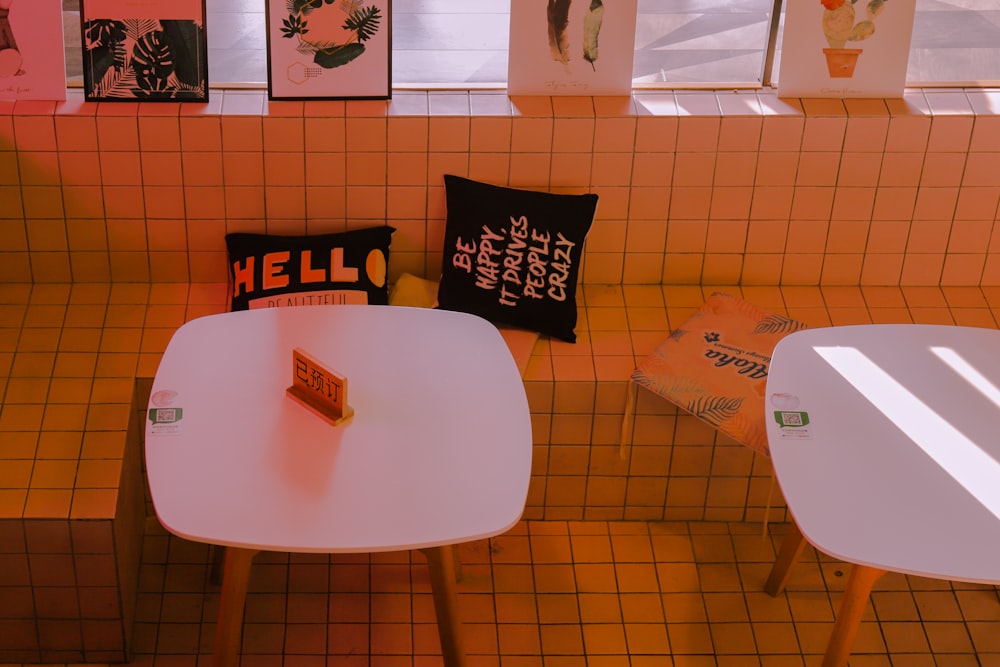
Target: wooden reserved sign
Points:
(319, 388)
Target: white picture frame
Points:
(845, 48)
(571, 47)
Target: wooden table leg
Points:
(441, 562)
(852, 608)
(457, 558)
(790, 551)
(229, 627)
(218, 562)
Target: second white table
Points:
(884, 442)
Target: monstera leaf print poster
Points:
(571, 47)
(144, 50)
(328, 49)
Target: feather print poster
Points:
(148, 50)
(571, 47)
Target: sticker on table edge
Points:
(165, 421)
(793, 424)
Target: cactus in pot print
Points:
(840, 27)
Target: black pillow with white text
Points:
(512, 256)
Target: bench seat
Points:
(77, 361)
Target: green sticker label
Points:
(165, 415)
(790, 419)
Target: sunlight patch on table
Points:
(960, 457)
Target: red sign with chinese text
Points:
(319, 388)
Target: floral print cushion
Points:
(715, 366)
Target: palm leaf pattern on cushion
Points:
(672, 387)
(714, 409)
(778, 324)
(655, 369)
(747, 428)
(654, 365)
(722, 303)
(676, 335)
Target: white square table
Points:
(438, 451)
(884, 440)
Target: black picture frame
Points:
(144, 52)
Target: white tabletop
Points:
(438, 451)
(898, 467)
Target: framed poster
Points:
(845, 48)
(32, 58)
(144, 50)
(571, 47)
(329, 49)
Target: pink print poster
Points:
(571, 47)
(32, 60)
(329, 49)
(845, 48)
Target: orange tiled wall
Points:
(69, 564)
(716, 188)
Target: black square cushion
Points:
(346, 267)
(513, 256)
